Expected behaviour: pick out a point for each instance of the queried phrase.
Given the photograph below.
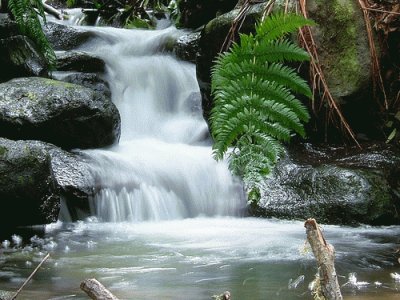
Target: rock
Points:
(342, 43)
(79, 61)
(8, 27)
(65, 114)
(211, 40)
(35, 176)
(27, 189)
(90, 80)
(74, 181)
(194, 13)
(19, 58)
(186, 47)
(63, 37)
(349, 189)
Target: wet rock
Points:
(335, 188)
(19, 58)
(27, 190)
(212, 38)
(8, 27)
(74, 181)
(63, 37)
(186, 47)
(194, 13)
(93, 81)
(79, 61)
(65, 114)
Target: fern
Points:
(255, 107)
(26, 13)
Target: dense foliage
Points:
(255, 105)
(26, 14)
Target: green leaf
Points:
(255, 109)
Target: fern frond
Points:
(26, 14)
(276, 72)
(255, 108)
(272, 51)
(266, 89)
(279, 25)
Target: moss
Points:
(3, 151)
(59, 83)
(340, 42)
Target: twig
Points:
(30, 276)
(381, 10)
(325, 256)
(376, 68)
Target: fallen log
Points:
(95, 290)
(52, 11)
(325, 256)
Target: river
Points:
(168, 222)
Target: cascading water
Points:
(163, 167)
(162, 171)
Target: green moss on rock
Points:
(343, 45)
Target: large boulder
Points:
(342, 42)
(20, 58)
(27, 191)
(65, 114)
(35, 176)
(63, 37)
(334, 188)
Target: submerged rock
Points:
(65, 114)
(335, 189)
(19, 58)
(27, 190)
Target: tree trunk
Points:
(96, 290)
(325, 255)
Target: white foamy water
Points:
(162, 168)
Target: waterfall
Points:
(162, 168)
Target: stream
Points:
(169, 221)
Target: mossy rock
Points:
(61, 113)
(341, 189)
(27, 190)
(19, 57)
(342, 43)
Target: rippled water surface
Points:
(197, 258)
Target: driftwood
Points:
(52, 11)
(96, 290)
(325, 255)
(30, 276)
